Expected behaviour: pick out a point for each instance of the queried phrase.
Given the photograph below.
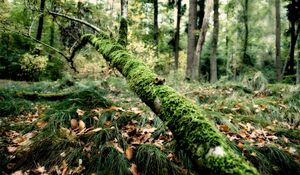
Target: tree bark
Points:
(123, 23)
(291, 63)
(245, 56)
(124, 9)
(201, 39)
(191, 39)
(177, 35)
(41, 21)
(155, 25)
(298, 64)
(213, 57)
(191, 128)
(278, 31)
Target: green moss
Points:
(191, 128)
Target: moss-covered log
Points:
(191, 128)
(46, 96)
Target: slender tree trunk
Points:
(155, 30)
(197, 53)
(41, 20)
(245, 56)
(291, 63)
(278, 31)
(177, 35)
(191, 38)
(298, 63)
(123, 23)
(190, 126)
(124, 9)
(213, 57)
(51, 41)
(200, 14)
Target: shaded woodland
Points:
(150, 87)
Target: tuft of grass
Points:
(10, 106)
(151, 160)
(110, 161)
(272, 160)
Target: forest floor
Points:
(101, 127)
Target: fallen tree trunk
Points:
(192, 130)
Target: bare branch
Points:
(76, 19)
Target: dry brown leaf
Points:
(74, 124)
(240, 146)
(272, 137)
(136, 110)
(41, 124)
(129, 152)
(253, 154)
(19, 139)
(147, 130)
(40, 169)
(11, 149)
(134, 170)
(65, 131)
(243, 134)
(117, 147)
(80, 112)
(115, 108)
(96, 130)
(224, 128)
(18, 173)
(64, 167)
(81, 125)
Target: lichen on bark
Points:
(192, 130)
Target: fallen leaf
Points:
(224, 128)
(240, 146)
(136, 110)
(243, 134)
(40, 169)
(134, 170)
(41, 124)
(115, 108)
(81, 125)
(18, 173)
(129, 152)
(74, 124)
(117, 147)
(11, 149)
(80, 112)
(96, 130)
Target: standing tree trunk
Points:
(213, 57)
(201, 39)
(189, 124)
(278, 30)
(291, 62)
(298, 63)
(51, 41)
(191, 39)
(124, 9)
(155, 29)
(123, 23)
(177, 35)
(245, 56)
(41, 21)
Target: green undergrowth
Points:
(110, 105)
(262, 124)
(98, 105)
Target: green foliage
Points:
(10, 106)
(151, 161)
(271, 160)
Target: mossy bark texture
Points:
(191, 128)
